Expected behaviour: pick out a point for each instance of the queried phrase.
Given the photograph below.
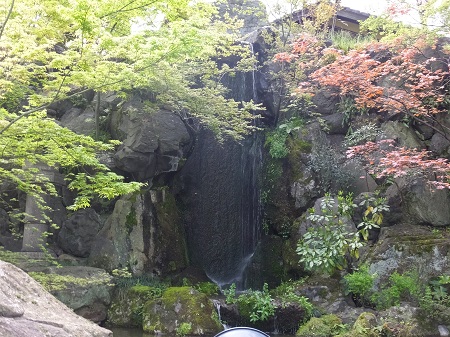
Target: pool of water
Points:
(121, 332)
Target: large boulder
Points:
(154, 140)
(78, 232)
(79, 120)
(127, 304)
(26, 309)
(110, 248)
(405, 248)
(87, 290)
(416, 201)
(405, 136)
(144, 233)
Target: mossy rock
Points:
(364, 326)
(181, 305)
(325, 326)
(127, 305)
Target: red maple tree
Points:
(398, 80)
(384, 159)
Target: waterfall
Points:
(222, 198)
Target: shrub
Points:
(329, 243)
(207, 288)
(360, 284)
(400, 287)
(256, 305)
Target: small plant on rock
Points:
(359, 284)
(184, 329)
(256, 305)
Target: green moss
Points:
(171, 240)
(365, 324)
(208, 288)
(131, 220)
(181, 304)
(55, 282)
(126, 309)
(325, 326)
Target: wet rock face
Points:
(26, 309)
(220, 197)
(144, 233)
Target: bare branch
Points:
(7, 18)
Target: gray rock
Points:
(404, 248)
(89, 297)
(424, 204)
(142, 236)
(154, 141)
(79, 121)
(336, 123)
(111, 245)
(28, 310)
(439, 144)
(78, 232)
(325, 101)
(359, 180)
(406, 137)
(304, 190)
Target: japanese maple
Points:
(383, 159)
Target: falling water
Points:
(222, 198)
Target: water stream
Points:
(222, 206)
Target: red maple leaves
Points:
(395, 78)
(383, 159)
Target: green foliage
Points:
(76, 46)
(360, 284)
(276, 139)
(121, 273)
(207, 288)
(183, 329)
(400, 287)
(276, 142)
(325, 326)
(346, 41)
(435, 301)
(383, 26)
(365, 133)
(230, 294)
(124, 280)
(256, 305)
(348, 108)
(330, 242)
(286, 292)
(328, 168)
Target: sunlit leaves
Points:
(51, 50)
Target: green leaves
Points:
(330, 241)
(52, 50)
